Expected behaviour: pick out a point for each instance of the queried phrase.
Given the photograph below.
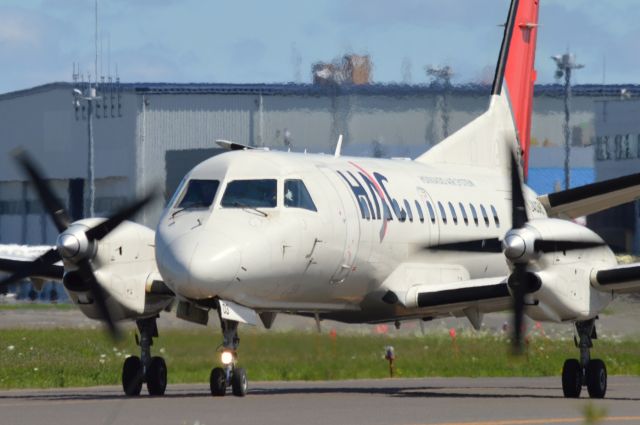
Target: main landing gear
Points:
(230, 375)
(138, 370)
(586, 371)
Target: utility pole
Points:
(90, 97)
(442, 77)
(565, 64)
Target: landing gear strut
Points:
(586, 371)
(138, 370)
(231, 375)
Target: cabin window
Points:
(250, 193)
(432, 213)
(407, 208)
(419, 209)
(495, 216)
(296, 195)
(454, 216)
(464, 214)
(199, 194)
(484, 215)
(443, 213)
(474, 214)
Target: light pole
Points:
(90, 97)
(565, 63)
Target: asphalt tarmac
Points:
(441, 401)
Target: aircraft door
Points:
(346, 224)
(428, 207)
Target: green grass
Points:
(71, 357)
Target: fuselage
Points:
(316, 233)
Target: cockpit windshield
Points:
(199, 194)
(296, 195)
(250, 193)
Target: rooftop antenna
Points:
(95, 70)
(296, 61)
(405, 69)
(102, 57)
(109, 56)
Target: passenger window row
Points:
(461, 212)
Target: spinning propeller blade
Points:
(517, 280)
(101, 230)
(32, 268)
(62, 221)
(49, 201)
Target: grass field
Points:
(72, 357)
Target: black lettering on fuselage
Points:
(374, 196)
(361, 195)
(400, 214)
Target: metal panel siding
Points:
(307, 119)
(44, 124)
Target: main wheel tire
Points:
(157, 376)
(596, 378)
(132, 376)
(239, 384)
(218, 382)
(571, 378)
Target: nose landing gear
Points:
(587, 371)
(231, 375)
(138, 370)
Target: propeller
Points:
(521, 245)
(518, 278)
(75, 244)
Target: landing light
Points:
(226, 357)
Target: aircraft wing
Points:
(620, 279)
(15, 257)
(471, 298)
(592, 198)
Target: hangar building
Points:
(148, 134)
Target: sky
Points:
(277, 41)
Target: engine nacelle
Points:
(565, 292)
(125, 266)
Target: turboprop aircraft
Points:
(252, 233)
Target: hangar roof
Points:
(552, 90)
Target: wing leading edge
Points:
(592, 198)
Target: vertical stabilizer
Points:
(519, 73)
(507, 122)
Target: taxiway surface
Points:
(457, 401)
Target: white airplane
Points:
(252, 233)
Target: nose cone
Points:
(68, 245)
(198, 267)
(514, 247)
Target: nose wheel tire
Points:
(132, 376)
(596, 373)
(239, 383)
(218, 382)
(157, 376)
(571, 378)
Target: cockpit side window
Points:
(250, 193)
(199, 194)
(296, 195)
